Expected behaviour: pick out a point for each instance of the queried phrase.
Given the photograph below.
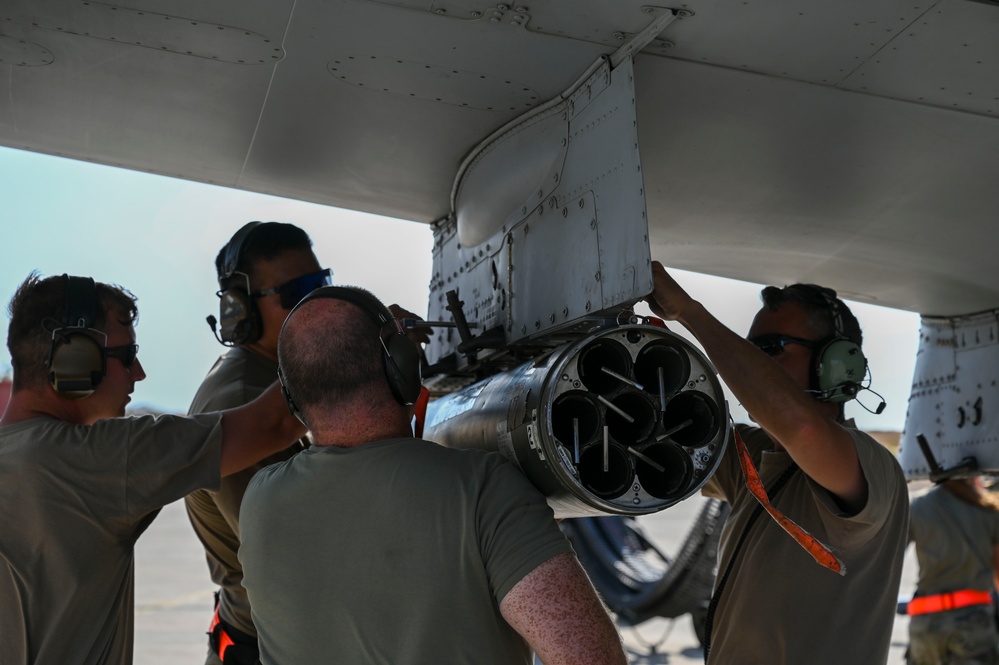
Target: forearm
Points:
(823, 449)
(765, 390)
(256, 430)
(557, 611)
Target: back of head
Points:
(331, 356)
(971, 490)
(39, 308)
(829, 316)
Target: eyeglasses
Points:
(294, 290)
(773, 345)
(126, 354)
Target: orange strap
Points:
(420, 412)
(224, 640)
(819, 552)
(942, 602)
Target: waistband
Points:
(231, 645)
(943, 602)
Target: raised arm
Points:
(806, 428)
(556, 609)
(257, 429)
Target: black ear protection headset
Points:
(77, 359)
(838, 364)
(400, 353)
(238, 313)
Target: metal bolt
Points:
(597, 276)
(580, 203)
(587, 306)
(551, 319)
(565, 311)
(523, 329)
(440, 11)
(565, 212)
(502, 8)
(476, 14)
(537, 324)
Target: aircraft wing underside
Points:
(846, 143)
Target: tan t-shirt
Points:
(954, 541)
(236, 378)
(73, 501)
(780, 607)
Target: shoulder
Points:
(236, 378)
(875, 456)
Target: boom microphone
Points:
(212, 323)
(881, 406)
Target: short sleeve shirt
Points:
(955, 542)
(781, 607)
(402, 552)
(238, 377)
(73, 501)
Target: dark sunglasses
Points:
(773, 345)
(294, 290)
(126, 354)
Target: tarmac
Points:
(174, 596)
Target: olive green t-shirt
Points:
(954, 541)
(73, 501)
(780, 607)
(238, 377)
(396, 552)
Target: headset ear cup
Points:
(76, 365)
(239, 318)
(403, 368)
(839, 369)
(289, 399)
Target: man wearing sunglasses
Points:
(773, 602)
(264, 270)
(79, 483)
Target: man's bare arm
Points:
(556, 609)
(257, 429)
(822, 448)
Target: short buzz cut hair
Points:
(828, 315)
(334, 357)
(37, 309)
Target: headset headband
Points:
(81, 302)
(401, 355)
(234, 251)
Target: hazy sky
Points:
(158, 237)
